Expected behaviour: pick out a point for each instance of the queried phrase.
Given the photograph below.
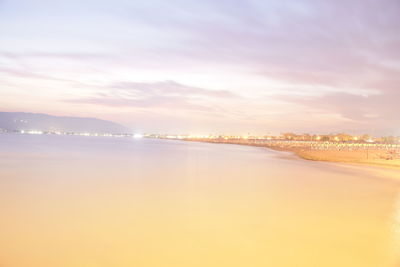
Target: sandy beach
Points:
(372, 157)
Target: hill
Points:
(17, 121)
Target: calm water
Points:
(84, 201)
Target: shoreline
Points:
(370, 158)
(345, 157)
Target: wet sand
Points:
(375, 158)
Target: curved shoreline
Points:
(367, 158)
(347, 157)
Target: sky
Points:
(206, 66)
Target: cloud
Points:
(166, 88)
(20, 73)
(286, 35)
(54, 55)
(375, 112)
(334, 57)
(162, 95)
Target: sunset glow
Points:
(206, 66)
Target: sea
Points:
(70, 201)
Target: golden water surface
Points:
(82, 201)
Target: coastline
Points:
(346, 157)
(372, 158)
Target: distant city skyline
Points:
(206, 66)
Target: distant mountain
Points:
(12, 121)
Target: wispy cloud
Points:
(368, 113)
(167, 88)
(60, 55)
(162, 95)
(270, 60)
(28, 74)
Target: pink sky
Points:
(206, 66)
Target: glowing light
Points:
(33, 132)
(137, 136)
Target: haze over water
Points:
(85, 201)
